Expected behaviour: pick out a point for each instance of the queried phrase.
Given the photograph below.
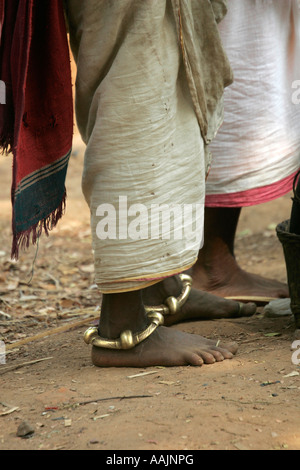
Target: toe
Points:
(223, 353)
(217, 355)
(207, 356)
(230, 347)
(194, 360)
(248, 309)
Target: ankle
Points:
(122, 311)
(158, 293)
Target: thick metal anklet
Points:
(127, 339)
(172, 304)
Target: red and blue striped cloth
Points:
(36, 121)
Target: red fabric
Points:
(47, 121)
(36, 122)
(14, 17)
(253, 196)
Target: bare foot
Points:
(166, 347)
(199, 306)
(216, 270)
(235, 282)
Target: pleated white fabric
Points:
(142, 127)
(259, 142)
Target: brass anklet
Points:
(127, 339)
(172, 304)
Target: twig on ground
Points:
(49, 332)
(24, 364)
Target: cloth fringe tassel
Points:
(22, 240)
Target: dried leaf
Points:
(272, 334)
(8, 412)
(12, 285)
(88, 268)
(295, 373)
(100, 417)
(142, 374)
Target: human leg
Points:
(256, 152)
(217, 270)
(295, 212)
(164, 347)
(144, 144)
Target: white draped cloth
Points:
(149, 88)
(257, 150)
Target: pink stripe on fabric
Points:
(252, 197)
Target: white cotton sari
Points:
(257, 150)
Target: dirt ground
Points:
(250, 402)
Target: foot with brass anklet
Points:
(129, 336)
(180, 302)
